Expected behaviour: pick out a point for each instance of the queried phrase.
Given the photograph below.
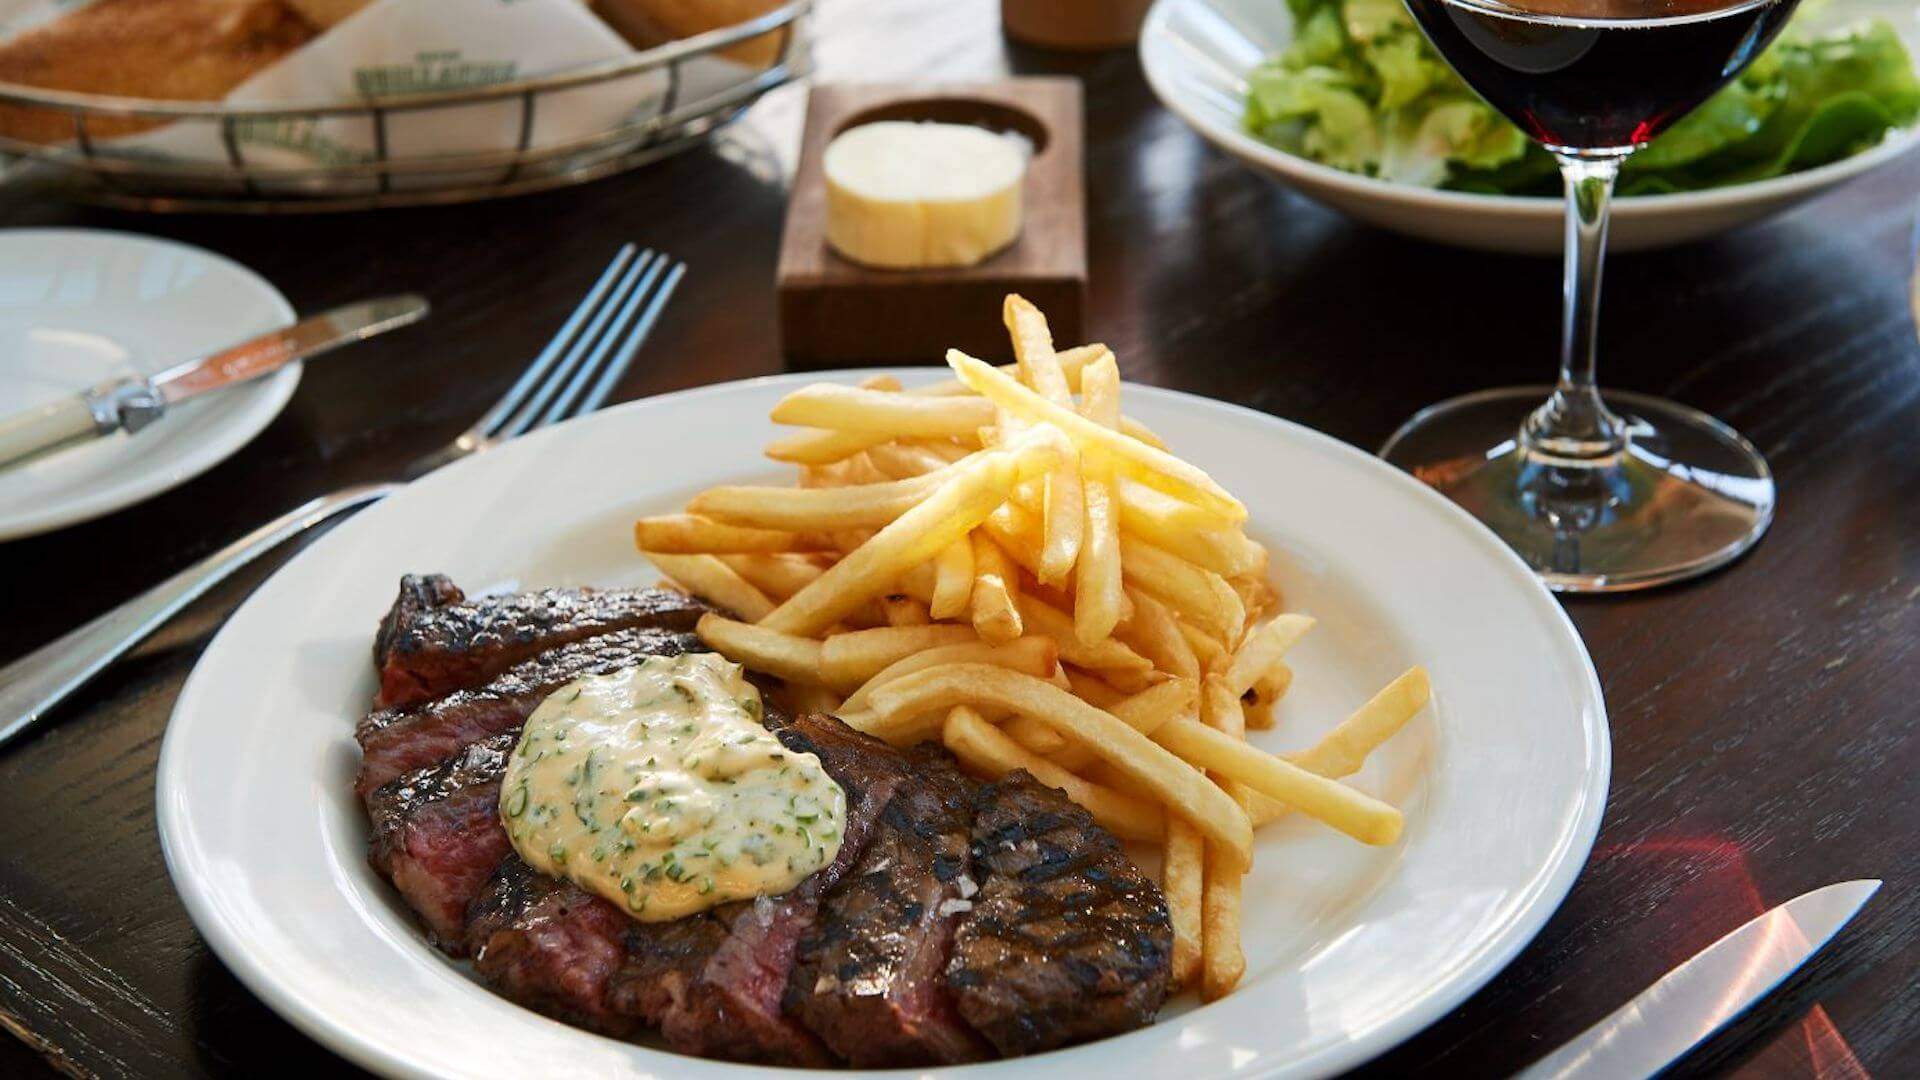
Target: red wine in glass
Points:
(1594, 500)
(1593, 74)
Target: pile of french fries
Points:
(1031, 578)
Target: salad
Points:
(1362, 90)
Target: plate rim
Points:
(1543, 207)
(1551, 882)
(226, 438)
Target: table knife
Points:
(131, 403)
(1706, 993)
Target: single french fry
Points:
(817, 447)
(1155, 634)
(879, 382)
(1178, 785)
(1222, 961)
(706, 577)
(952, 580)
(851, 659)
(1360, 816)
(962, 502)
(1181, 874)
(821, 508)
(995, 594)
(1034, 735)
(1134, 429)
(1153, 514)
(1263, 648)
(1202, 597)
(1144, 712)
(848, 408)
(688, 534)
(1035, 656)
(785, 655)
(1099, 599)
(1155, 468)
(779, 576)
(1342, 751)
(987, 749)
(1064, 521)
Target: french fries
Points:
(848, 660)
(986, 749)
(1155, 468)
(1179, 786)
(706, 577)
(1362, 817)
(962, 502)
(1035, 580)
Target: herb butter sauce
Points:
(657, 788)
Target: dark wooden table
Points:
(1763, 718)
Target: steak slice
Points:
(437, 835)
(1067, 940)
(733, 1008)
(396, 741)
(426, 649)
(870, 980)
(549, 945)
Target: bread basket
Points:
(671, 113)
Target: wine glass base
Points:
(1688, 496)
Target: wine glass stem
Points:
(1575, 427)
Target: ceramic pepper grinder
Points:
(1080, 25)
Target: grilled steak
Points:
(1067, 940)
(427, 648)
(734, 1007)
(871, 977)
(395, 741)
(549, 945)
(437, 835)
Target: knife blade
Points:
(1709, 991)
(130, 404)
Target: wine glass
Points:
(1595, 499)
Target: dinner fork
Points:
(571, 377)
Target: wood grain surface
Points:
(1763, 718)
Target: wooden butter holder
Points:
(834, 311)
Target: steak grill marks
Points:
(1067, 940)
(434, 641)
(875, 959)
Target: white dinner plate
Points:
(1350, 949)
(81, 306)
(1197, 53)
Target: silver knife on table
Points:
(1708, 992)
(132, 403)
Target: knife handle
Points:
(46, 427)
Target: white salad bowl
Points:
(1197, 54)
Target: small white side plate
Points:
(1350, 949)
(79, 306)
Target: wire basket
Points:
(664, 121)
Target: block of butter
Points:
(905, 195)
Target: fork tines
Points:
(574, 374)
